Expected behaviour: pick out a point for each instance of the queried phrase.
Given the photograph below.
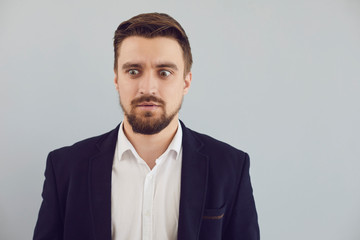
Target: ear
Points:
(116, 80)
(187, 82)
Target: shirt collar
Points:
(124, 144)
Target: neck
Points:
(150, 147)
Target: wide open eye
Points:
(133, 72)
(164, 73)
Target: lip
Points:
(147, 106)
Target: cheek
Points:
(174, 89)
(126, 90)
(174, 96)
(124, 98)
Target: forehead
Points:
(152, 50)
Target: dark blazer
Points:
(216, 200)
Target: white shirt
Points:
(145, 202)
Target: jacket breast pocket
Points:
(211, 226)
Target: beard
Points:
(147, 122)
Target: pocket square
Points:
(214, 217)
(214, 214)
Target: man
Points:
(150, 177)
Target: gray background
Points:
(278, 79)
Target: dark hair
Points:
(150, 25)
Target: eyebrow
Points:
(128, 65)
(131, 65)
(167, 65)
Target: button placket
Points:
(148, 206)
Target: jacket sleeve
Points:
(243, 223)
(49, 224)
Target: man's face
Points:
(150, 81)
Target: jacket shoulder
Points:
(85, 148)
(216, 147)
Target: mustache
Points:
(147, 98)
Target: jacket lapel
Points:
(100, 185)
(194, 176)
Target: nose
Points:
(148, 84)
